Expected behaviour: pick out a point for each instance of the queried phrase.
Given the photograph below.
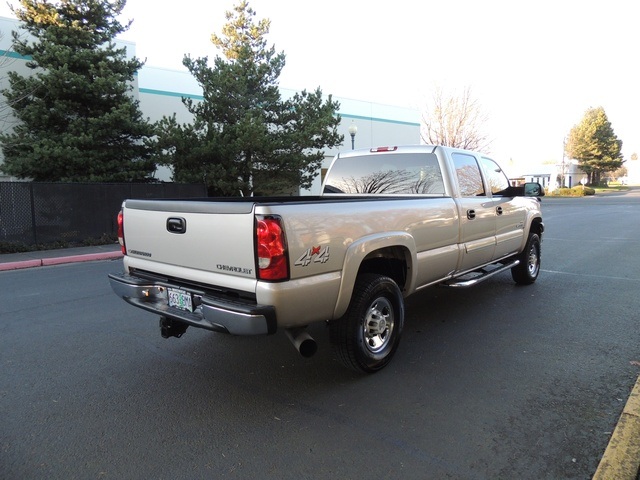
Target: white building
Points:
(160, 93)
(566, 174)
(633, 171)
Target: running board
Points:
(480, 275)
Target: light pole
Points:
(564, 149)
(353, 129)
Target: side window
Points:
(468, 173)
(496, 178)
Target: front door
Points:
(510, 211)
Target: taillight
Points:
(271, 247)
(383, 149)
(121, 232)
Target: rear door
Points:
(477, 213)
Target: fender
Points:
(359, 250)
(532, 216)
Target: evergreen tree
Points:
(245, 138)
(77, 118)
(594, 144)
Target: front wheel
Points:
(367, 336)
(527, 271)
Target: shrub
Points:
(6, 247)
(561, 192)
(580, 191)
(19, 247)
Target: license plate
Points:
(180, 299)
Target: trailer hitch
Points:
(172, 328)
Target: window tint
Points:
(496, 178)
(395, 174)
(468, 172)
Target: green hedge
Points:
(578, 191)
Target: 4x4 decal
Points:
(317, 254)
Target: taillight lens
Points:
(121, 232)
(271, 248)
(383, 149)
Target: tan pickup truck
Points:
(390, 222)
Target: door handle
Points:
(471, 214)
(499, 210)
(176, 225)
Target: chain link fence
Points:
(45, 213)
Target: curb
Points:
(621, 459)
(43, 262)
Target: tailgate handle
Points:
(176, 225)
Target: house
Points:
(633, 171)
(567, 174)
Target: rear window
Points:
(392, 174)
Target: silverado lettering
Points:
(229, 268)
(138, 252)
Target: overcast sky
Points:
(535, 67)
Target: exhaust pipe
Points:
(302, 341)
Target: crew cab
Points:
(390, 222)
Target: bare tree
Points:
(7, 61)
(454, 121)
(4, 61)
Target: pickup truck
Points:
(390, 222)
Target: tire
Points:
(368, 334)
(528, 270)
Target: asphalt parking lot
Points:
(498, 381)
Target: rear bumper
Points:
(219, 315)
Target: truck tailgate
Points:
(211, 236)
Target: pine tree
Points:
(77, 118)
(595, 145)
(245, 138)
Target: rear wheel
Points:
(527, 271)
(367, 336)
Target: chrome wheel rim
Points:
(378, 325)
(534, 263)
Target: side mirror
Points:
(533, 189)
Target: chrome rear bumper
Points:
(220, 315)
